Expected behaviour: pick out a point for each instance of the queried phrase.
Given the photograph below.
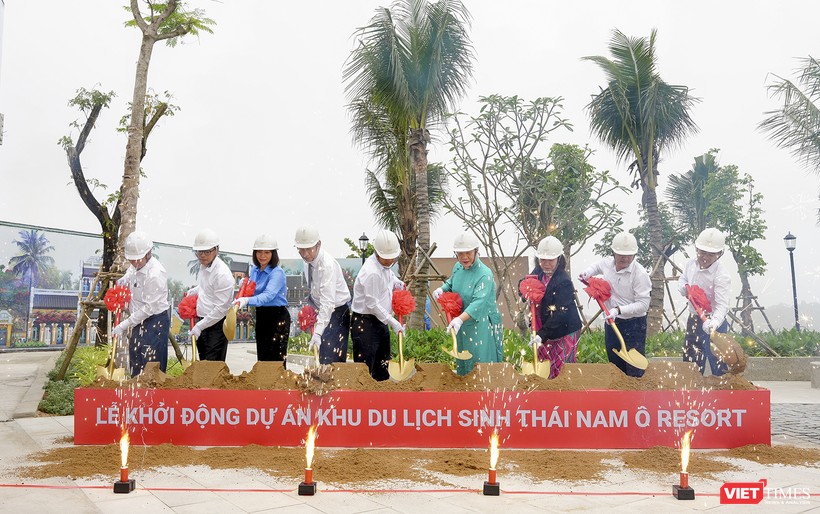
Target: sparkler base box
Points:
(125, 487)
(588, 419)
(492, 489)
(307, 489)
(683, 493)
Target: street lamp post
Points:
(791, 244)
(363, 245)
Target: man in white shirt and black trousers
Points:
(372, 304)
(148, 318)
(329, 295)
(214, 290)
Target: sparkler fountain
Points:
(124, 484)
(308, 487)
(682, 491)
(491, 486)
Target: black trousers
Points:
(371, 344)
(634, 333)
(272, 331)
(149, 343)
(212, 345)
(335, 336)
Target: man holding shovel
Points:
(628, 304)
(328, 294)
(148, 320)
(706, 272)
(214, 292)
(372, 303)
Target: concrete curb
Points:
(27, 408)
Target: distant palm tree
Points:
(32, 262)
(796, 125)
(412, 64)
(685, 194)
(639, 116)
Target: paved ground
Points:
(795, 421)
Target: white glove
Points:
(399, 286)
(397, 327)
(535, 340)
(455, 325)
(119, 330)
(194, 290)
(708, 325)
(196, 331)
(315, 342)
(438, 292)
(242, 302)
(584, 277)
(610, 316)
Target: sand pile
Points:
(432, 377)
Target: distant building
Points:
(53, 312)
(2, 12)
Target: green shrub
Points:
(788, 343)
(425, 346)
(591, 348)
(665, 344)
(174, 368)
(21, 343)
(58, 398)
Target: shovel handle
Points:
(401, 346)
(701, 314)
(534, 333)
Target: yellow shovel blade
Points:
(460, 355)
(398, 372)
(542, 369)
(176, 325)
(117, 374)
(102, 372)
(633, 356)
(536, 367)
(229, 325)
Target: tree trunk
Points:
(133, 150)
(654, 318)
(419, 138)
(747, 328)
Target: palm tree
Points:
(796, 125)
(685, 194)
(639, 116)
(386, 200)
(413, 62)
(32, 261)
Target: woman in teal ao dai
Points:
(478, 328)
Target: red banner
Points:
(354, 419)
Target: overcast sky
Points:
(262, 141)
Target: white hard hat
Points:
(549, 248)
(137, 246)
(624, 244)
(465, 242)
(205, 240)
(711, 240)
(265, 242)
(306, 237)
(386, 245)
